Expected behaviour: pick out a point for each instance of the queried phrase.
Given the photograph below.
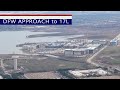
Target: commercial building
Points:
(103, 42)
(29, 47)
(75, 52)
(68, 52)
(113, 42)
(80, 52)
(88, 49)
(93, 45)
(92, 48)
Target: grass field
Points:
(111, 56)
(48, 64)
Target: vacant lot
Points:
(110, 56)
(43, 75)
(48, 64)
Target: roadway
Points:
(90, 60)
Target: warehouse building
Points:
(76, 52)
(113, 42)
(93, 45)
(103, 42)
(55, 45)
(80, 52)
(88, 49)
(68, 52)
(92, 48)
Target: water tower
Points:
(1, 63)
(15, 58)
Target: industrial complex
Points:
(87, 49)
(75, 48)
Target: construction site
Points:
(65, 59)
(88, 49)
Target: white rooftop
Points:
(91, 48)
(79, 49)
(1, 77)
(93, 45)
(15, 56)
(79, 73)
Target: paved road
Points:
(89, 60)
(53, 56)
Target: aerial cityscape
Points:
(87, 49)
